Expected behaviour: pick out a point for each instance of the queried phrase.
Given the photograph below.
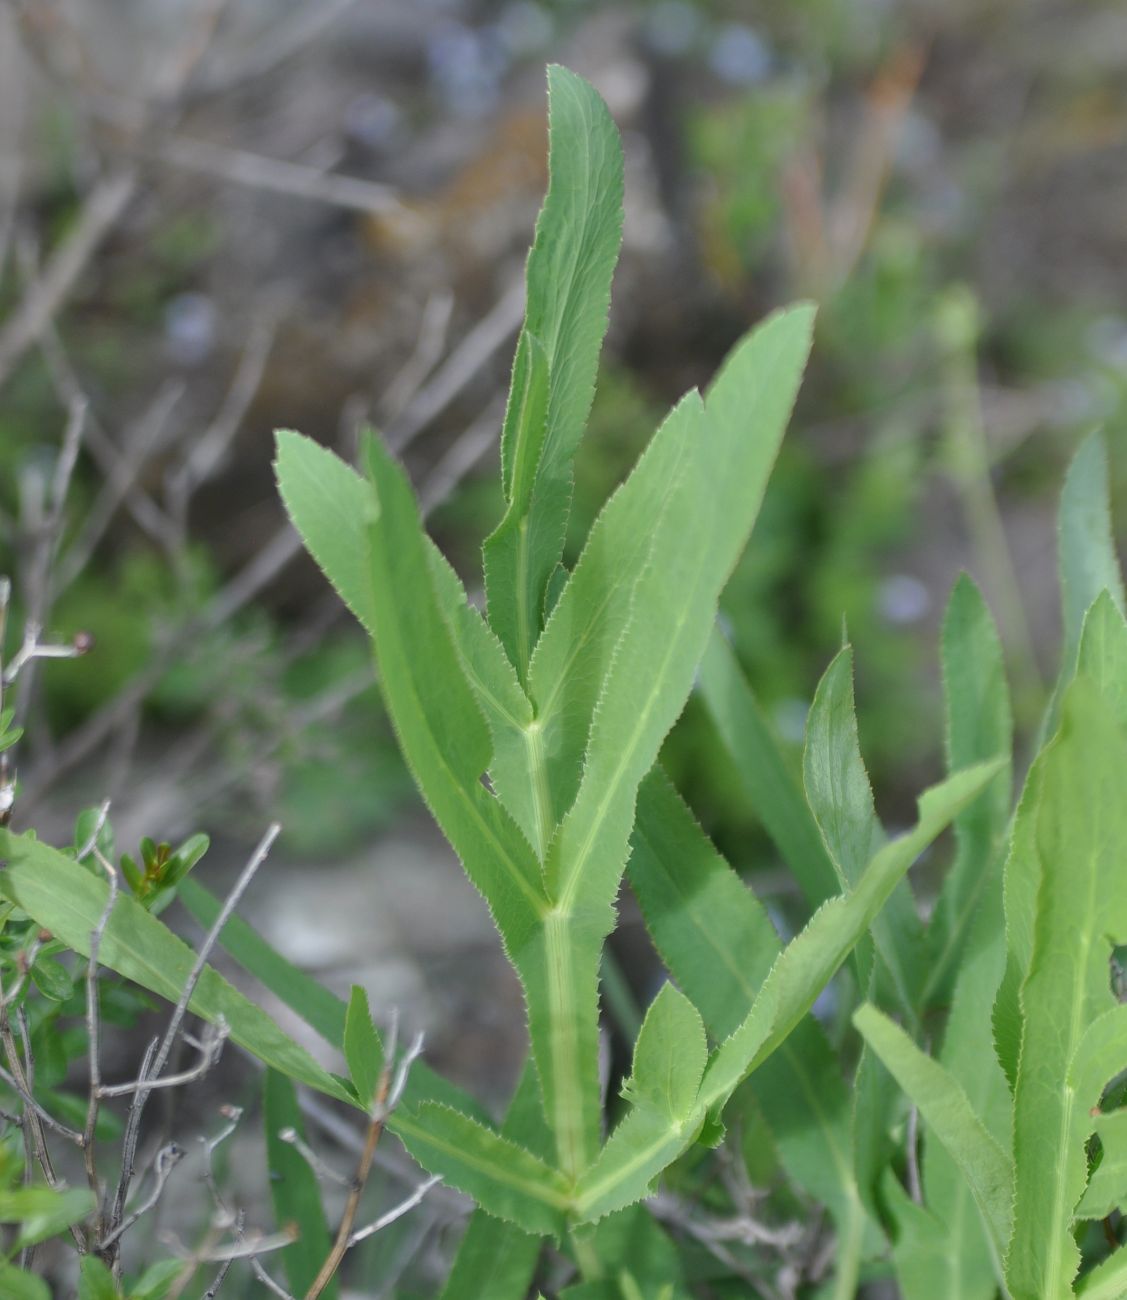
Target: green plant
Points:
(533, 733)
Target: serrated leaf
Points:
(1088, 562)
(1102, 657)
(719, 944)
(68, 900)
(1081, 840)
(363, 1051)
(776, 795)
(841, 799)
(969, 1267)
(945, 1108)
(695, 544)
(1107, 1185)
(575, 653)
(440, 727)
(330, 506)
(505, 1179)
(669, 1056)
(809, 960)
(294, 1190)
(644, 1143)
(568, 282)
(979, 726)
(496, 1258)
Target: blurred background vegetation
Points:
(217, 219)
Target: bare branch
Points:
(101, 211)
(168, 1157)
(396, 1211)
(278, 175)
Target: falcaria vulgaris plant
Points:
(533, 733)
(956, 1128)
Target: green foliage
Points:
(533, 735)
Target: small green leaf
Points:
(294, 1189)
(15, 1284)
(362, 1049)
(95, 1282)
(669, 1056)
(1107, 1185)
(157, 1280)
(841, 798)
(979, 726)
(42, 1212)
(52, 979)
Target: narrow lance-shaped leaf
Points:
(807, 963)
(719, 944)
(568, 292)
(1081, 841)
(574, 655)
(841, 798)
(495, 1258)
(440, 727)
(504, 1178)
(696, 542)
(979, 726)
(69, 900)
(776, 795)
(641, 1146)
(945, 1108)
(1088, 562)
(294, 1188)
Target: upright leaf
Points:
(776, 796)
(946, 1109)
(1081, 841)
(696, 542)
(568, 292)
(841, 798)
(294, 1189)
(1088, 562)
(575, 653)
(363, 1051)
(669, 1056)
(440, 727)
(979, 727)
(809, 960)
